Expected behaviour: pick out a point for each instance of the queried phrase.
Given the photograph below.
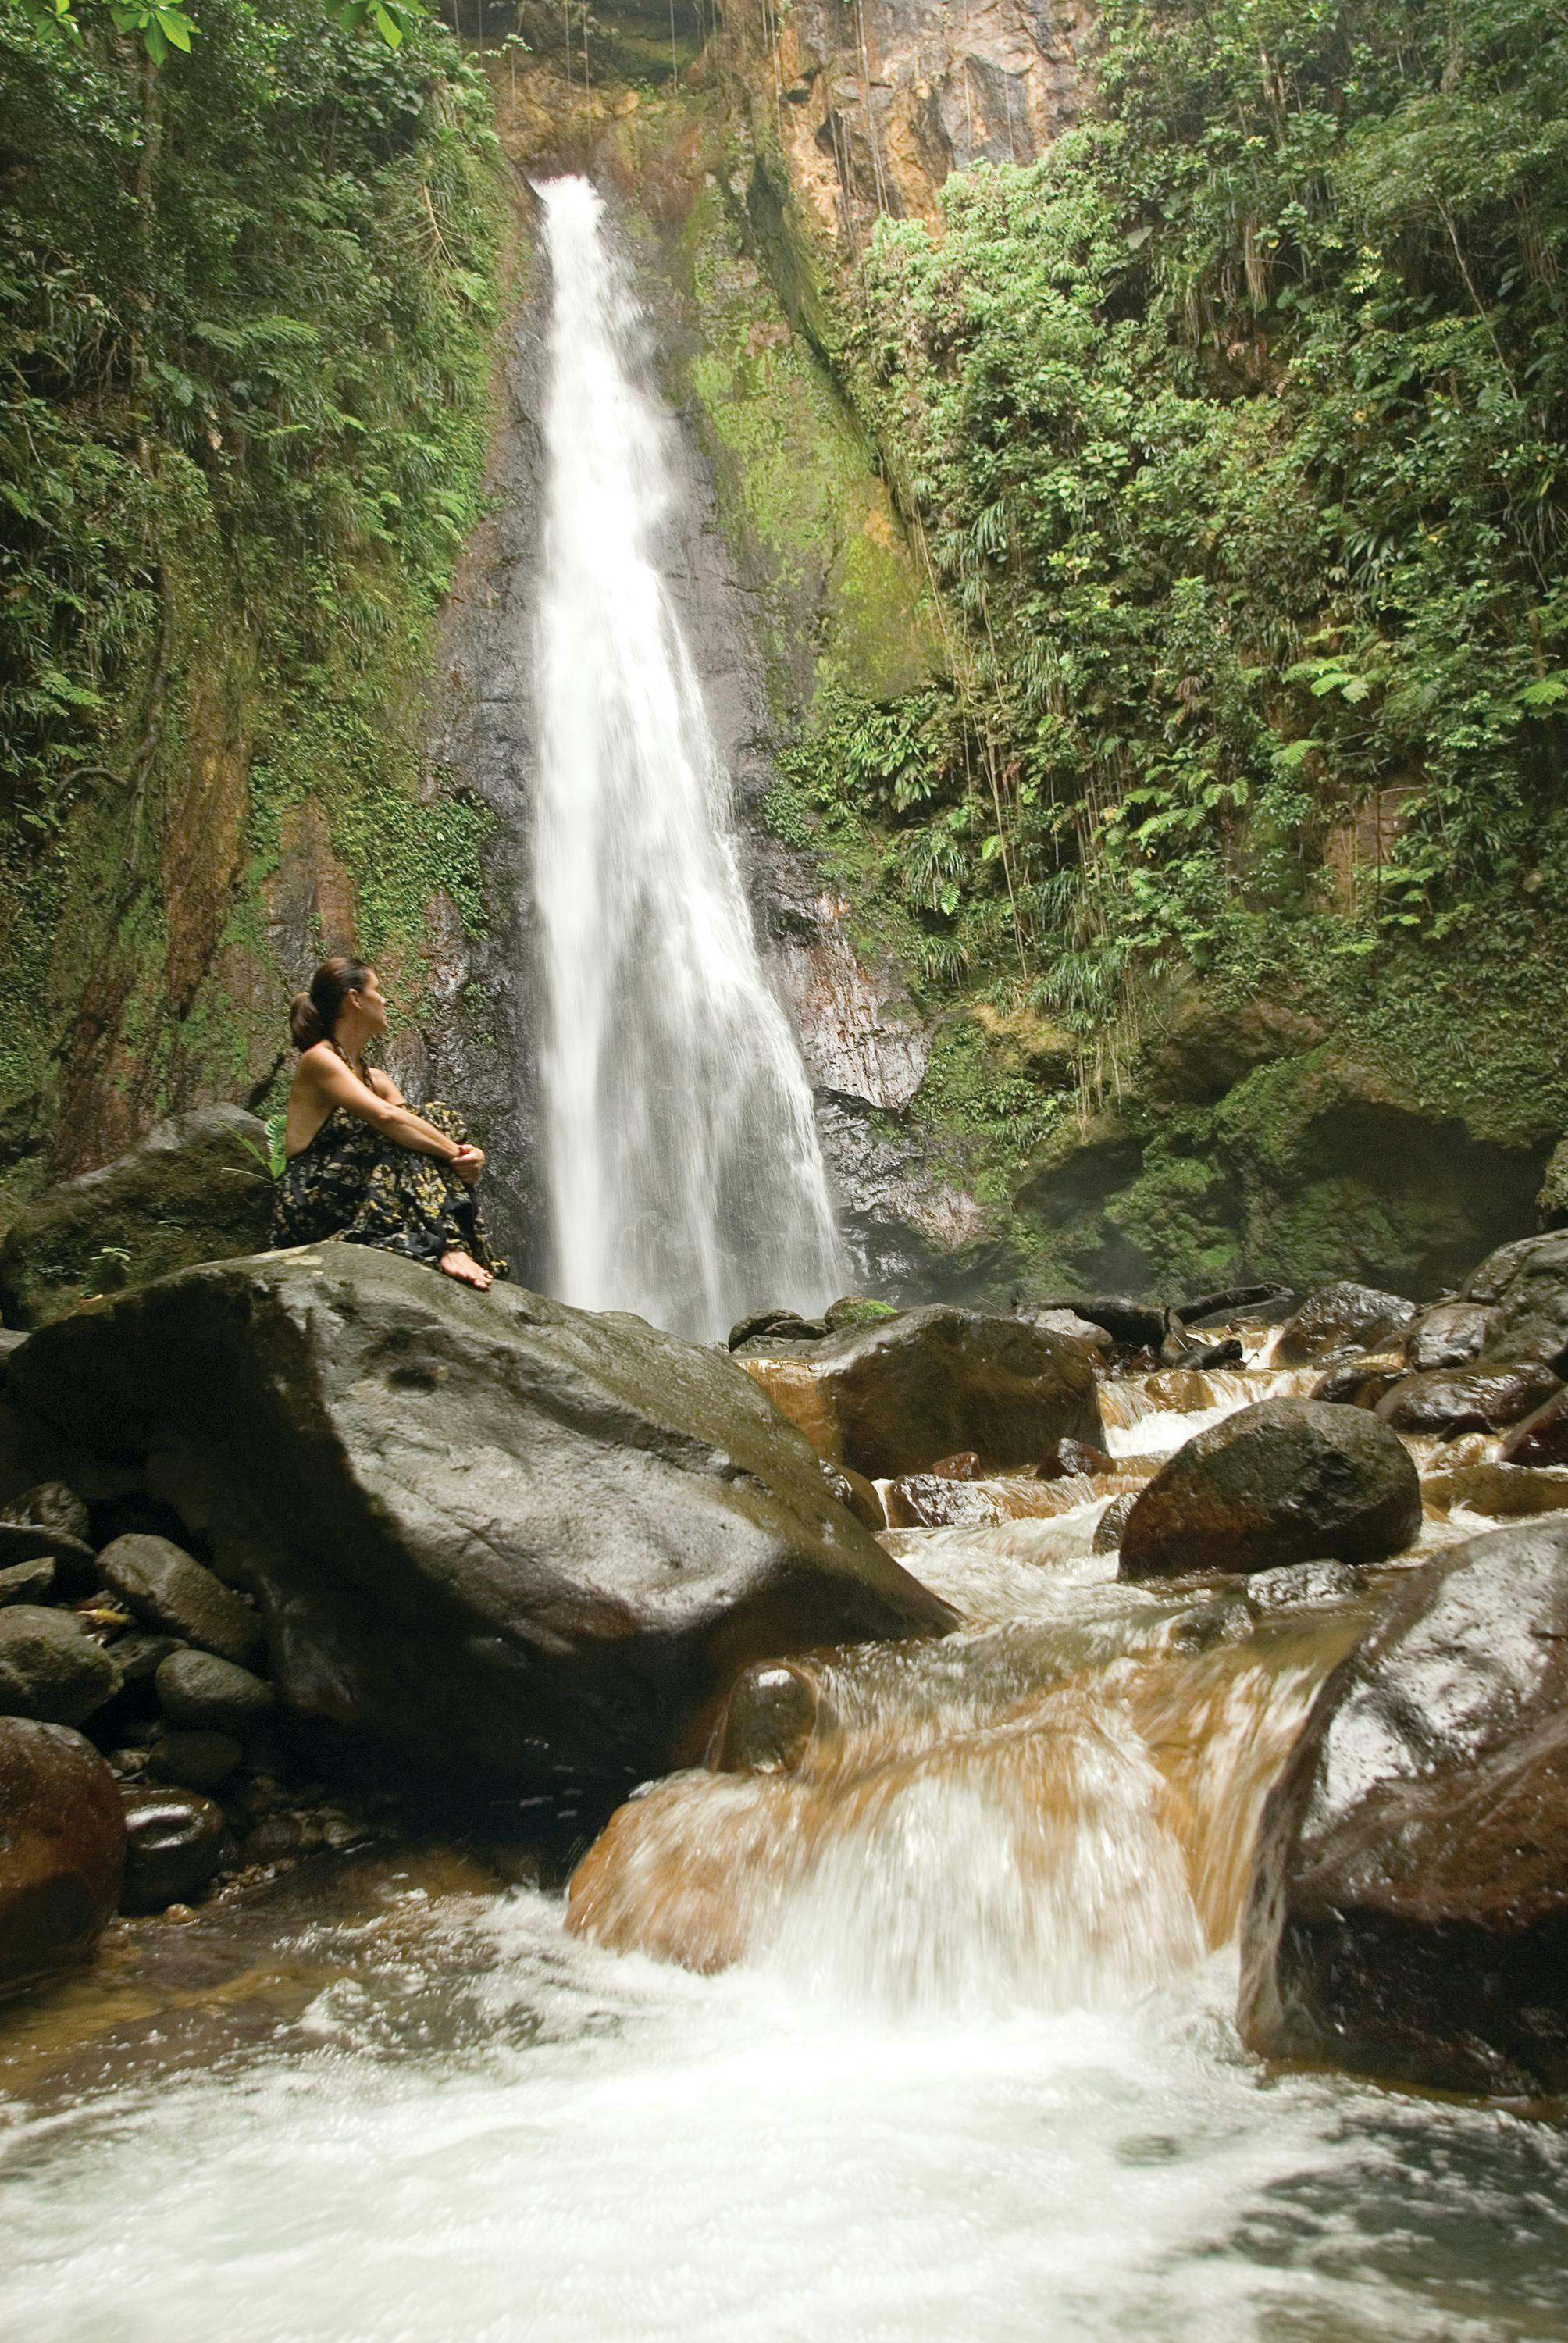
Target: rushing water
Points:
(970, 2075)
(685, 1177)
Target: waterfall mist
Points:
(684, 1173)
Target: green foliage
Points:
(244, 348)
(1235, 430)
(161, 29)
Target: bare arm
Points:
(338, 1085)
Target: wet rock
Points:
(175, 1842)
(1467, 1398)
(1053, 1319)
(190, 1192)
(1228, 1353)
(925, 1501)
(499, 1536)
(1067, 1456)
(1448, 1336)
(1296, 1584)
(138, 1655)
(778, 1326)
(888, 1400)
(276, 1838)
(1361, 1382)
(1340, 1319)
(1486, 1282)
(1542, 1438)
(1408, 1916)
(49, 1669)
(1137, 1325)
(1290, 1480)
(1553, 1201)
(856, 1309)
(1504, 1492)
(75, 1566)
(197, 1690)
(1530, 1316)
(768, 1719)
(51, 1505)
(61, 1848)
(28, 1582)
(196, 1760)
(170, 1589)
(963, 1466)
(1230, 1620)
(1113, 1522)
(855, 1494)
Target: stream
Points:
(953, 2055)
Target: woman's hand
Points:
(467, 1163)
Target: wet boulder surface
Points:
(896, 1397)
(1340, 1319)
(1408, 1916)
(1475, 1398)
(1286, 1480)
(61, 1848)
(502, 1538)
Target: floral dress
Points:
(353, 1184)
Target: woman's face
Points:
(369, 1002)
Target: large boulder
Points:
(895, 1398)
(1408, 1916)
(1290, 1479)
(1530, 1316)
(1447, 1336)
(1478, 1398)
(502, 1536)
(1340, 1319)
(61, 1848)
(196, 1188)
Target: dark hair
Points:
(313, 1015)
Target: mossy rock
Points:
(856, 1309)
(197, 1189)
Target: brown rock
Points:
(1360, 1381)
(1290, 1479)
(1447, 1336)
(1542, 1438)
(61, 1848)
(1467, 1398)
(1409, 1908)
(1340, 1319)
(194, 1760)
(768, 1721)
(174, 1842)
(855, 1494)
(890, 1399)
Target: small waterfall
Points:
(685, 1177)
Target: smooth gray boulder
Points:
(503, 1536)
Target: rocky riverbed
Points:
(305, 1554)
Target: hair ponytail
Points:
(313, 1014)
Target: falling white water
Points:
(685, 1177)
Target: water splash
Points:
(685, 1177)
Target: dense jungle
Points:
(784, 1171)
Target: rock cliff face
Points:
(880, 101)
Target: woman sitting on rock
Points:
(361, 1165)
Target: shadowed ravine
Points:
(971, 2069)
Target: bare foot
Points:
(465, 1270)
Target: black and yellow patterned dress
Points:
(352, 1184)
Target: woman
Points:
(362, 1165)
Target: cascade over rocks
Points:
(192, 1191)
(893, 1398)
(1341, 1318)
(1409, 1908)
(501, 1536)
(61, 1848)
(1290, 1480)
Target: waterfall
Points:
(684, 1173)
